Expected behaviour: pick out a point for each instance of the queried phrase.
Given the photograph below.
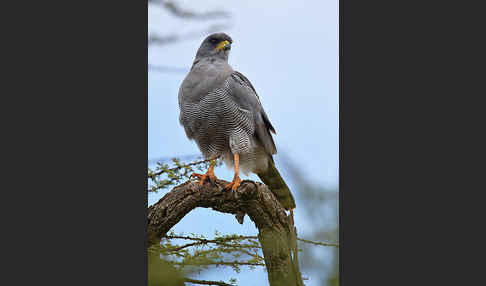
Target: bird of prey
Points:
(221, 111)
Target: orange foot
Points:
(234, 184)
(208, 177)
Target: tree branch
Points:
(183, 166)
(319, 243)
(228, 263)
(177, 11)
(162, 68)
(254, 199)
(225, 241)
(205, 282)
(203, 240)
(206, 241)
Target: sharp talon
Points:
(208, 177)
(212, 179)
(203, 180)
(233, 185)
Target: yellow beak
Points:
(222, 45)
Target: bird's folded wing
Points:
(245, 96)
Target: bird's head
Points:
(215, 45)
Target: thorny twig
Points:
(182, 166)
(177, 11)
(319, 243)
(206, 282)
(229, 263)
(205, 241)
(174, 174)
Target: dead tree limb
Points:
(276, 231)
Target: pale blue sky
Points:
(289, 50)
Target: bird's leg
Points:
(209, 176)
(236, 179)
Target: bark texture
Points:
(277, 233)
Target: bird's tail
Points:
(271, 177)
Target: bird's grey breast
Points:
(209, 112)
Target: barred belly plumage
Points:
(221, 128)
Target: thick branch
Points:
(254, 199)
(251, 198)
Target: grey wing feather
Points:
(187, 129)
(246, 97)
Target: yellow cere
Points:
(222, 45)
